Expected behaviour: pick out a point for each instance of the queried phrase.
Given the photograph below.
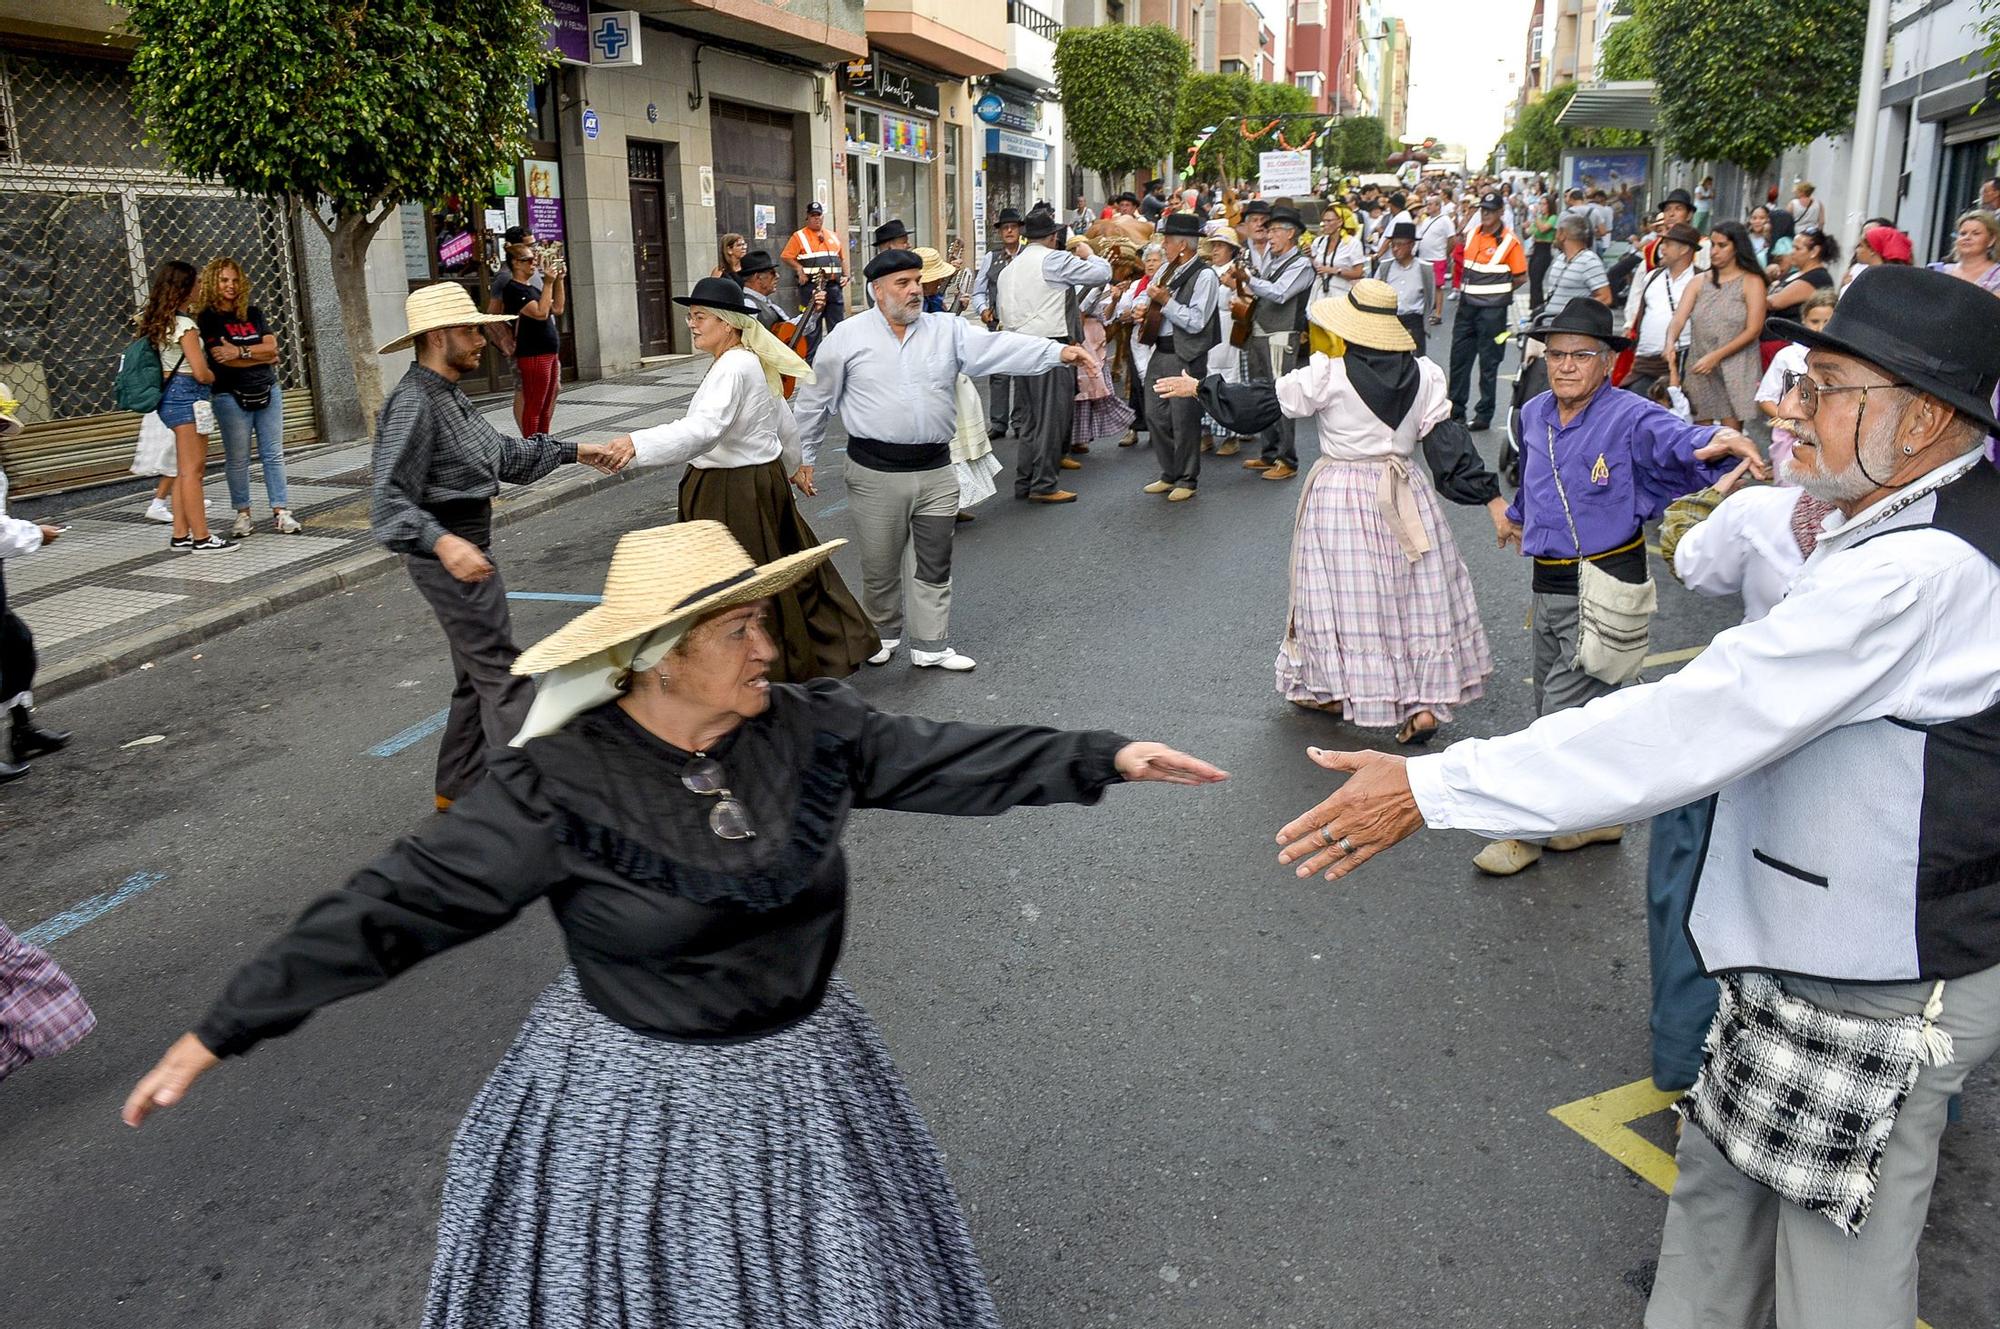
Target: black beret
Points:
(892, 260)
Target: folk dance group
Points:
(678, 784)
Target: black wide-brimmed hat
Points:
(1584, 316)
(1183, 224)
(1933, 332)
(1009, 217)
(1257, 207)
(722, 293)
(893, 229)
(1682, 233)
(1403, 231)
(756, 261)
(1287, 217)
(1040, 225)
(1679, 196)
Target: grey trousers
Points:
(1560, 682)
(488, 703)
(1733, 1251)
(903, 524)
(1280, 442)
(1051, 412)
(1006, 406)
(1173, 425)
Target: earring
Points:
(1909, 451)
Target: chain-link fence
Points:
(86, 211)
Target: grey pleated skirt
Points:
(606, 1180)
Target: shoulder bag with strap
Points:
(142, 378)
(1655, 366)
(1613, 617)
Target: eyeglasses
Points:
(1578, 358)
(728, 818)
(1810, 390)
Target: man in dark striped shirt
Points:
(437, 465)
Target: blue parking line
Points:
(829, 511)
(416, 733)
(96, 907)
(558, 597)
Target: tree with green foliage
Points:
(349, 109)
(1228, 102)
(1627, 53)
(1359, 143)
(1743, 81)
(1120, 85)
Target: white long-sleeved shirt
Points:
(1298, 275)
(1192, 314)
(734, 420)
(1907, 628)
(17, 536)
(979, 304)
(905, 391)
(1745, 547)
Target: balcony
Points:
(962, 37)
(1031, 45)
(820, 31)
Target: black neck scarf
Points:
(1385, 380)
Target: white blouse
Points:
(17, 537)
(734, 420)
(1348, 430)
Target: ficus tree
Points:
(1119, 85)
(349, 109)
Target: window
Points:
(1311, 12)
(950, 134)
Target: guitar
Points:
(1241, 306)
(957, 291)
(1155, 316)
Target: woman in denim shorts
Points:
(184, 400)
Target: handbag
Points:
(154, 453)
(1614, 617)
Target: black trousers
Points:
(1472, 338)
(489, 703)
(1539, 258)
(17, 651)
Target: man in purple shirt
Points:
(1597, 464)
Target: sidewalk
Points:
(110, 595)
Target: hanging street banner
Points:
(1281, 173)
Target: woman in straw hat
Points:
(1382, 623)
(698, 1126)
(740, 445)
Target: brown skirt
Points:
(821, 630)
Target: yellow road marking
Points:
(1672, 657)
(1606, 1121)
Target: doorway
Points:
(645, 167)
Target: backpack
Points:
(141, 378)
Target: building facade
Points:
(1396, 81)
(1322, 48)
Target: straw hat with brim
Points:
(666, 575)
(10, 423)
(935, 268)
(1224, 235)
(444, 304)
(1366, 316)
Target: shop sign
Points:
(614, 38)
(567, 30)
(454, 249)
(1006, 143)
(879, 80)
(1006, 113)
(545, 214)
(590, 124)
(906, 136)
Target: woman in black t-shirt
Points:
(243, 351)
(537, 370)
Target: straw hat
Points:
(664, 575)
(10, 423)
(444, 304)
(1223, 235)
(935, 268)
(1366, 316)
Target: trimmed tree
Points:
(1360, 144)
(1119, 87)
(1742, 82)
(1221, 100)
(351, 110)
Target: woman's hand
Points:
(1372, 811)
(1708, 363)
(1179, 385)
(1157, 761)
(167, 1083)
(802, 480)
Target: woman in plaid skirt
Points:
(1382, 625)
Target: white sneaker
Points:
(881, 657)
(944, 659)
(158, 510)
(242, 528)
(285, 523)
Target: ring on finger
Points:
(1344, 845)
(1326, 834)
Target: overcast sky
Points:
(1458, 90)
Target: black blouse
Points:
(674, 931)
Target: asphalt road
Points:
(1177, 1087)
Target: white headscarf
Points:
(567, 691)
(780, 360)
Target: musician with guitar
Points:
(798, 332)
(1181, 321)
(1283, 287)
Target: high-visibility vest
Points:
(1489, 279)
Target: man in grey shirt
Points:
(1411, 278)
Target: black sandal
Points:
(1413, 737)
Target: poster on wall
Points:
(545, 214)
(766, 216)
(1284, 173)
(707, 176)
(1625, 176)
(416, 254)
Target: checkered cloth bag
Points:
(1803, 1099)
(41, 1012)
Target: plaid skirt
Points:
(1369, 628)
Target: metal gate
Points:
(86, 211)
(755, 166)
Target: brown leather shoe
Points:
(1256, 464)
(1280, 472)
(1130, 438)
(1053, 496)
(1070, 464)
(1228, 447)
(1079, 449)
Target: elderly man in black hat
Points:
(1006, 409)
(759, 279)
(1282, 283)
(1256, 215)
(1411, 278)
(1038, 297)
(891, 377)
(1188, 295)
(892, 234)
(1849, 898)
